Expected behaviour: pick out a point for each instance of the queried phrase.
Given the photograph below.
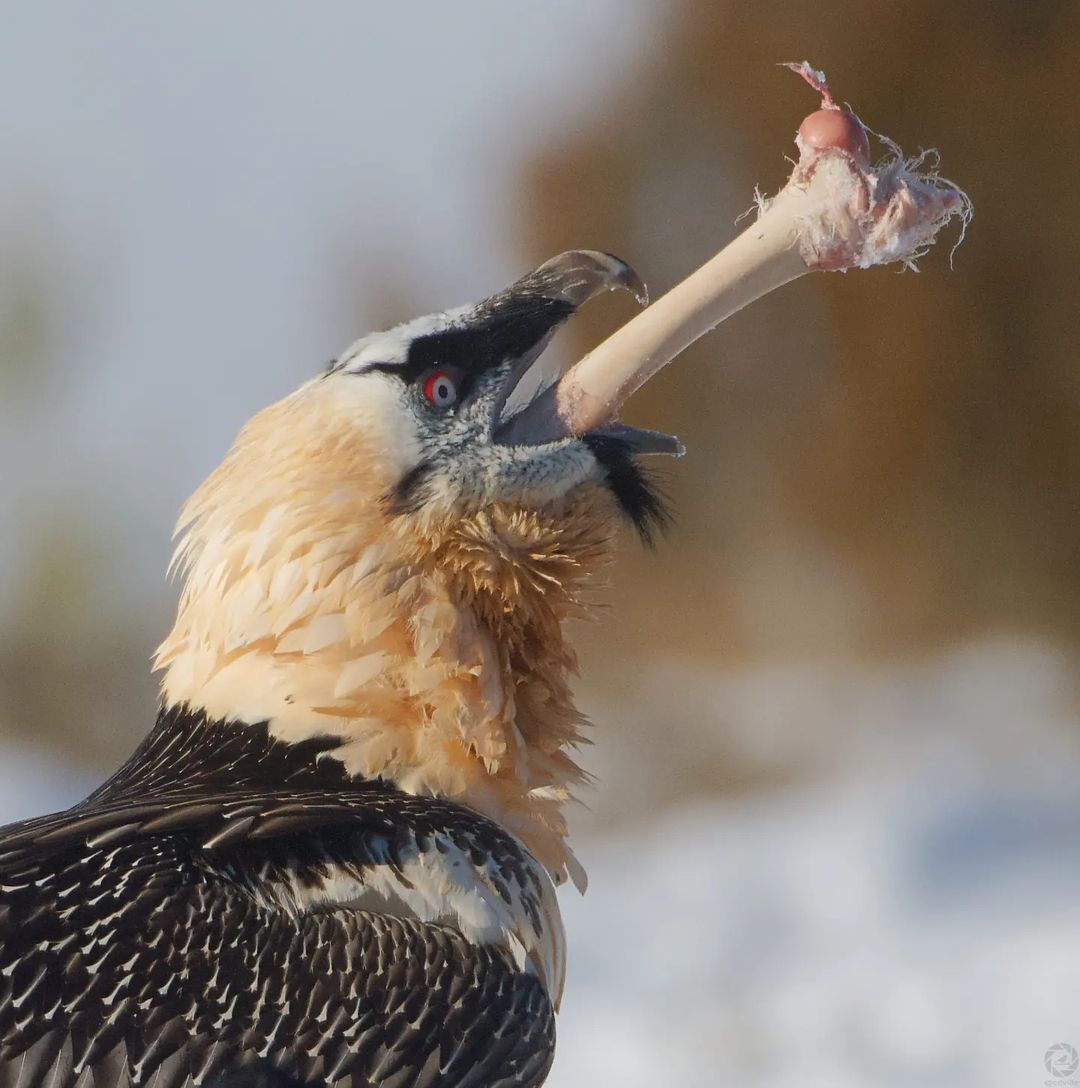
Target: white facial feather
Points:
(376, 405)
(392, 345)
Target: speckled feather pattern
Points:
(175, 936)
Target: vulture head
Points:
(386, 559)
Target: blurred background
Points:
(836, 838)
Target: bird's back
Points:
(251, 936)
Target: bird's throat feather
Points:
(434, 647)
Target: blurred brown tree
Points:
(877, 463)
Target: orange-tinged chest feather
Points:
(436, 649)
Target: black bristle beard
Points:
(635, 491)
(410, 493)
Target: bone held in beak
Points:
(756, 262)
(836, 212)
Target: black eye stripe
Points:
(398, 370)
(486, 340)
(506, 326)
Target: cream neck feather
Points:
(435, 650)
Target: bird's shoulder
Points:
(127, 910)
(299, 852)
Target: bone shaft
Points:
(765, 256)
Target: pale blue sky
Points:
(207, 188)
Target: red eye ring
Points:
(440, 388)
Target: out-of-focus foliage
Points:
(24, 324)
(73, 664)
(877, 462)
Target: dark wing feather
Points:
(131, 951)
(258, 1075)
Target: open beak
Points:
(568, 281)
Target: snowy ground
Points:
(912, 918)
(908, 917)
(874, 935)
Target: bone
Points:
(835, 213)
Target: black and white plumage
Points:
(169, 935)
(333, 860)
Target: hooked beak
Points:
(568, 281)
(578, 275)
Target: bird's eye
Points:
(440, 389)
